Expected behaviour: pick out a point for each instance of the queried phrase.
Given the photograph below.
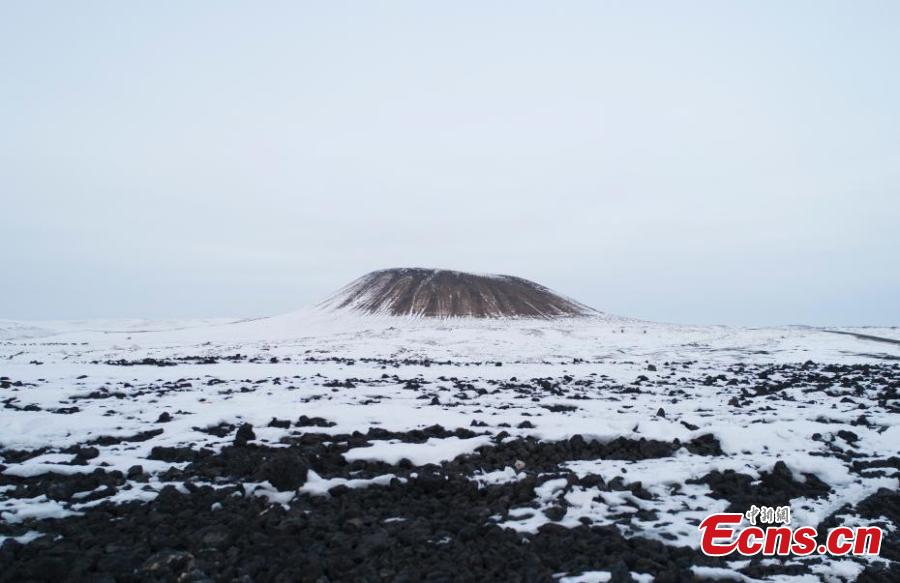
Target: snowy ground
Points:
(559, 431)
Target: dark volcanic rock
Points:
(705, 445)
(211, 520)
(219, 534)
(244, 434)
(280, 423)
(775, 488)
(286, 471)
(176, 454)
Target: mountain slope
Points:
(439, 293)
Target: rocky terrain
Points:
(386, 449)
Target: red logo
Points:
(721, 535)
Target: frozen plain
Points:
(561, 431)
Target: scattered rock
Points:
(286, 471)
(555, 513)
(244, 434)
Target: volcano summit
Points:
(440, 293)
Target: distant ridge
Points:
(441, 293)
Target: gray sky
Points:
(681, 161)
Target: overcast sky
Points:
(680, 161)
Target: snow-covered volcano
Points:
(441, 293)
